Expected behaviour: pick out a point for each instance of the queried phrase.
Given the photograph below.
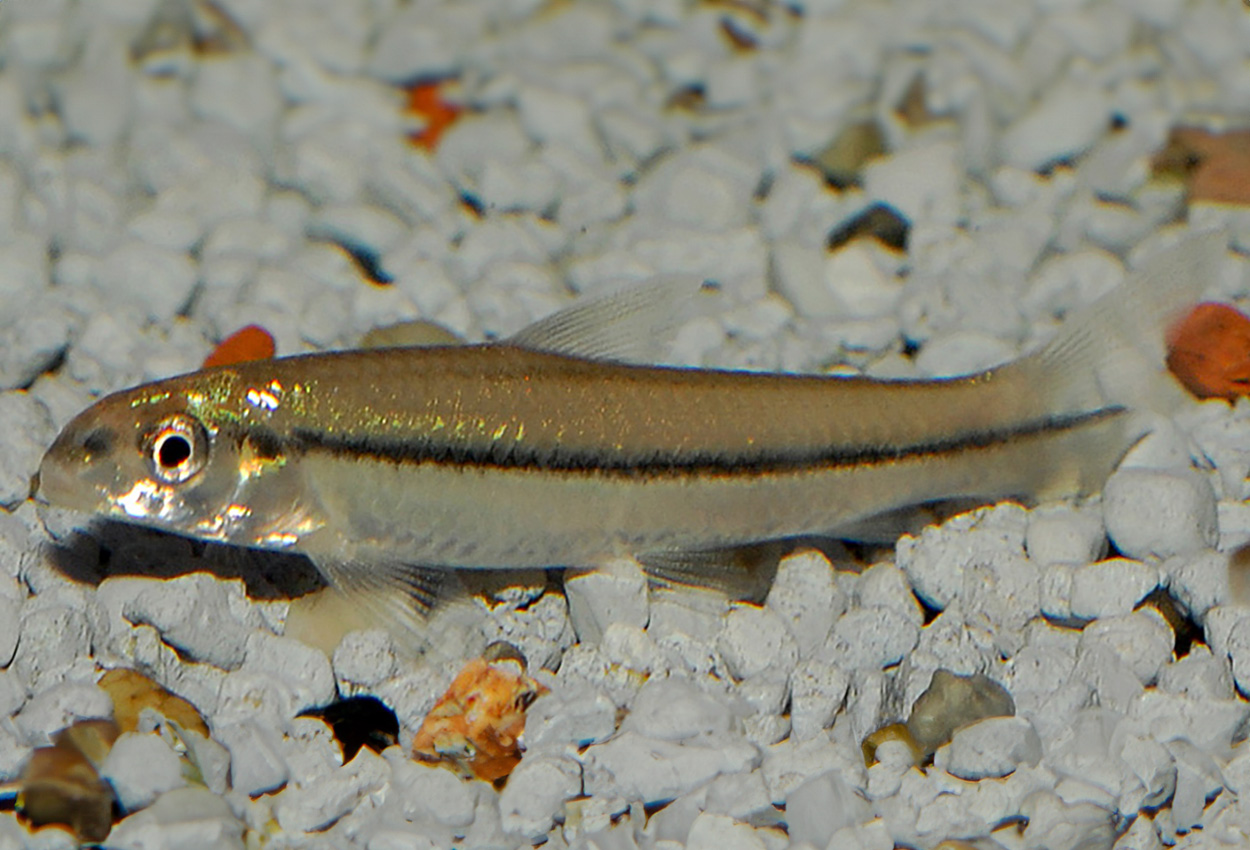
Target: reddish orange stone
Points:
(250, 343)
(425, 100)
(1209, 352)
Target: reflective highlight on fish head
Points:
(178, 456)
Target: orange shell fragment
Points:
(248, 343)
(475, 728)
(1209, 352)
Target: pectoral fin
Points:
(389, 595)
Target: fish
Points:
(388, 467)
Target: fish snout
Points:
(60, 479)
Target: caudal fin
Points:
(1112, 354)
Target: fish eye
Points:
(176, 448)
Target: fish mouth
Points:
(35, 495)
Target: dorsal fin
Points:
(625, 325)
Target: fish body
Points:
(529, 453)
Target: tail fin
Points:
(1113, 353)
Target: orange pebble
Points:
(476, 727)
(250, 343)
(1209, 352)
(424, 99)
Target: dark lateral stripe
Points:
(515, 456)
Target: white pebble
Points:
(805, 596)
(873, 637)
(645, 769)
(430, 791)
(886, 586)
(741, 795)
(1110, 588)
(1200, 581)
(140, 767)
(676, 710)
(1068, 120)
(1159, 513)
(196, 615)
(714, 832)
(821, 806)
(12, 693)
(921, 183)
(255, 764)
(1065, 536)
(817, 689)
(28, 431)
(155, 280)
(962, 353)
(364, 659)
(30, 346)
(863, 288)
(1056, 825)
(214, 94)
(702, 187)
(992, 748)
(54, 646)
(10, 622)
(935, 561)
(798, 273)
(1142, 640)
(190, 818)
(554, 116)
(311, 804)
(53, 708)
(306, 671)
(536, 792)
(576, 716)
(754, 640)
(13, 758)
(96, 97)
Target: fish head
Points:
(164, 455)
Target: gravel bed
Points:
(172, 170)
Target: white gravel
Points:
(170, 172)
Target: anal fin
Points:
(742, 573)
